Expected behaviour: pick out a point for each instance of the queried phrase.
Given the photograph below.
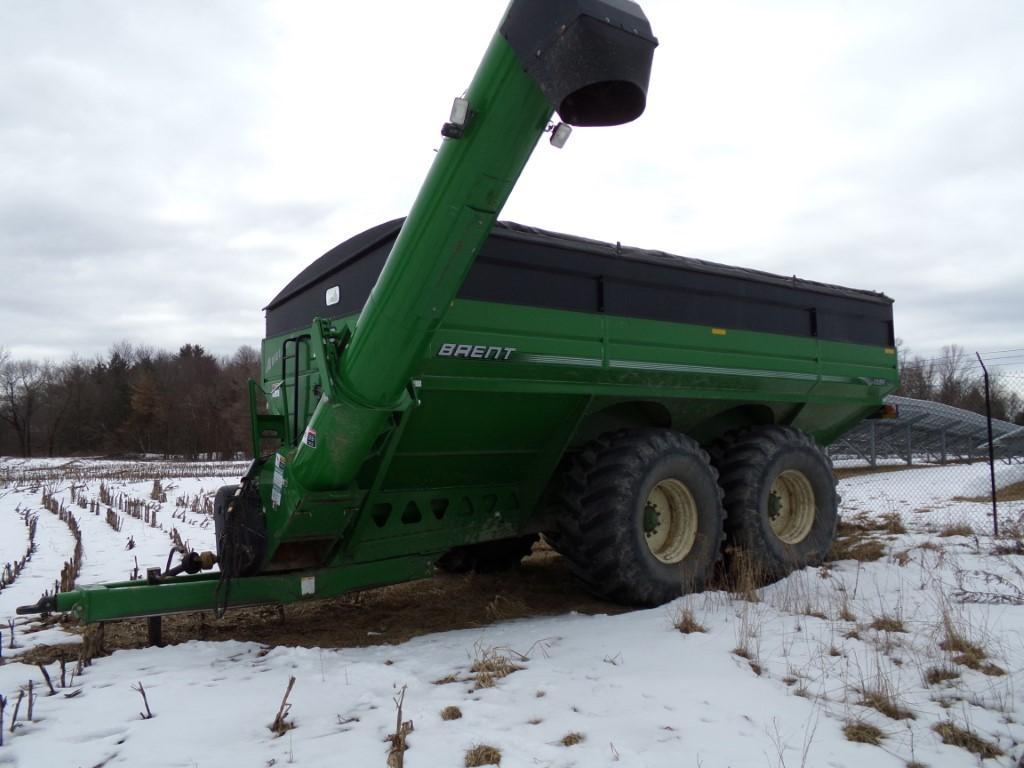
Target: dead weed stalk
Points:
(282, 724)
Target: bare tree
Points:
(917, 375)
(55, 402)
(20, 384)
(951, 370)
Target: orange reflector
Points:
(885, 411)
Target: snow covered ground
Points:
(954, 494)
(108, 555)
(925, 643)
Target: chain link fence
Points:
(935, 465)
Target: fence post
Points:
(991, 448)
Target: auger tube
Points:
(589, 60)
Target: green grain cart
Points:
(442, 389)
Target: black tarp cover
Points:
(533, 267)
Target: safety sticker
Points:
(278, 485)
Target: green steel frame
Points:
(391, 453)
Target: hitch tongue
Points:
(46, 604)
(191, 563)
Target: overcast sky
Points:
(166, 167)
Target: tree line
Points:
(956, 378)
(134, 400)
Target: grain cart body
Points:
(435, 385)
(551, 341)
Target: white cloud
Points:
(167, 168)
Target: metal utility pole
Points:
(991, 448)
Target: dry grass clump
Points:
(955, 640)
(570, 739)
(884, 700)
(1014, 492)
(745, 576)
(866, 550)
(863, 733)
(482, 754)
(1014, 547)
(885, 623)
(892, 523)
(687, 623)
(936, 675)
(968, 653)
(748, 645)
(859, 523)
(451, 713)
(953, 734)
(810, 610)
(845, 613)
(957, 530)
(992, 670)
(744, 652)
(856, 539)
(490, 666)
(1012, 535)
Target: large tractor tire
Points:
(780, 501)
(640, 516)
(488, 557)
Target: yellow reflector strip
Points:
(890, 351)
(718, 331)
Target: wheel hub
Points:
(670, 521)
(791, 506)
(652, 518)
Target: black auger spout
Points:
(591, 58)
